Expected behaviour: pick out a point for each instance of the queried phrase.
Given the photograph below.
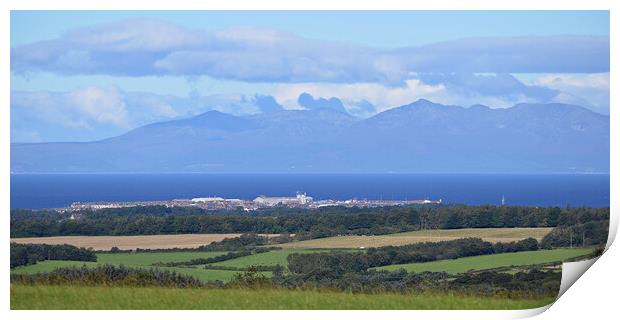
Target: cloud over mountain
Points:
(267, 104)
(98, 112)
(418, 137)
(307, 101)
(589, 90)
(151, 47)
(494, 85)
(258, 70)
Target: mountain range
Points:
(419, 137)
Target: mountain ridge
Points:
(418, 137)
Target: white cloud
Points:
(588, 90)
(383, 97)
(136, 34)
(50, 107)
(152, 104)
(387, 97)
(94, 112)
(149, 47)
(90, 112)
(101, 105)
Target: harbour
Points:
(300, 200)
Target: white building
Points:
(209, 199)
(300, 199)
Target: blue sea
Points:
(53, 191)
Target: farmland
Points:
(196, 240)
(147, 259)
(403, 238)
(142, 259)
(132, 242)
(492, 261)
(198, 273)
(340, 275)
(275, 257)
(276, 294)
(77, 297)
(271, 258)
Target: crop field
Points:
(133, 242)
(399, 239)
(142, 260)
(462, 265)
(270, 258)
(77, 297)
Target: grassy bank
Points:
(77, 297)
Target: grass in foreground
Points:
(399, 239)
(492, 261)
(65, 297)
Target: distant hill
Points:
(420, 137)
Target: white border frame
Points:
(594, 295)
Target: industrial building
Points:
(209, 199)
(300, 199)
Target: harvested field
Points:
(399, 239)
(133, 242)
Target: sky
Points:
(89, 75)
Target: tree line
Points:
(305, 223)
(26, 254)
(582, 234)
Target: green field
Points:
(270, 258)
(76, 297)
(141, 259)
(198, 272)
(148, 258)
(492, 261)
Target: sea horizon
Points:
(50, 190)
